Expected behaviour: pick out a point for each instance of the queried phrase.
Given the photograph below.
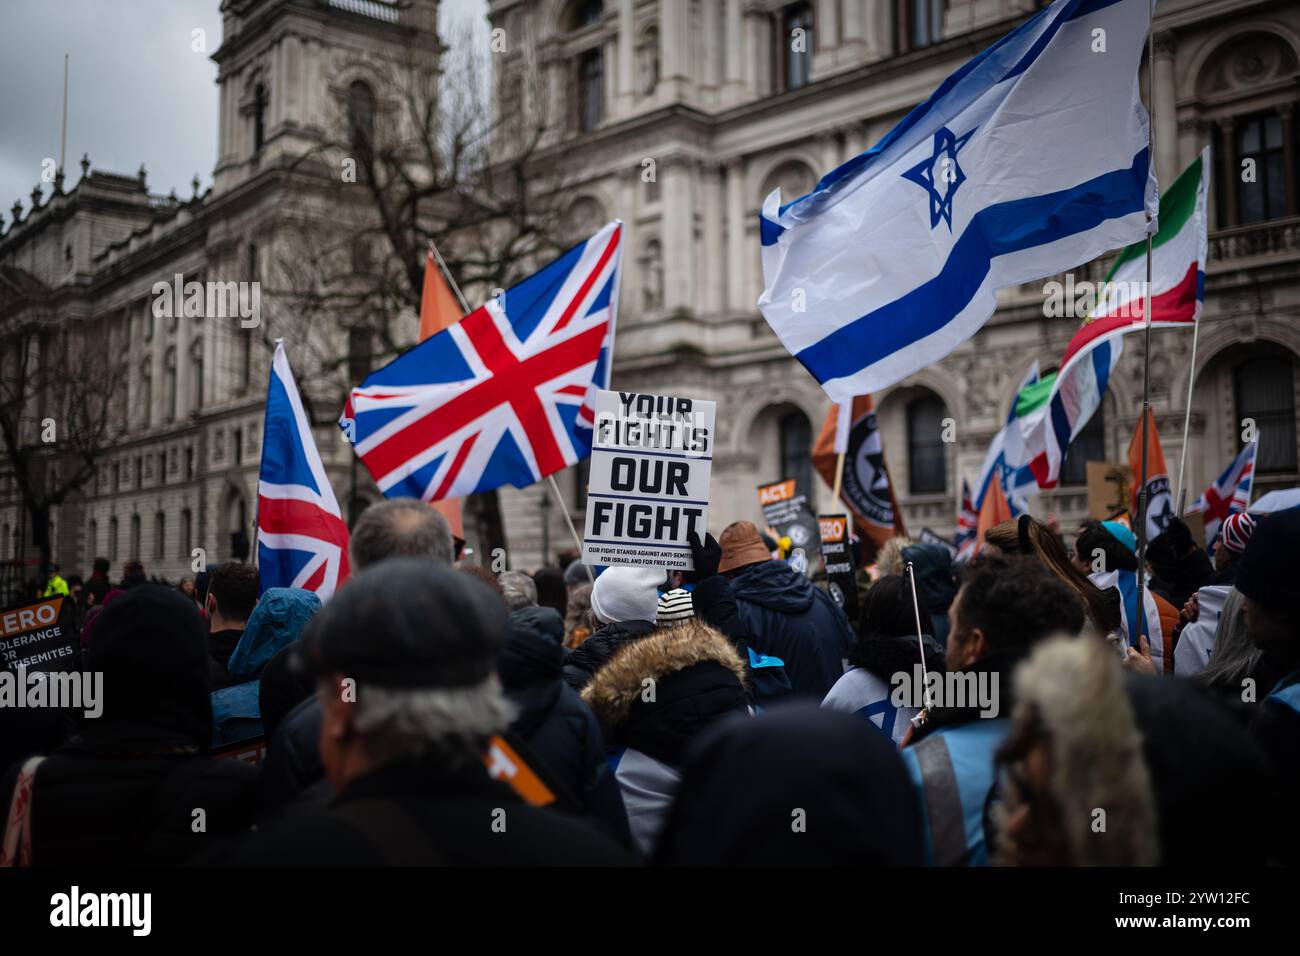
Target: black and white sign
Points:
(39, 637)
(648, 489)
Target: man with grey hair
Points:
(400, 528)
(518, 589)
(408, 711)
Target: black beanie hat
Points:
(1266, 572)
(407, 623)
(151, 648)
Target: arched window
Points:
(927, 459)
(1260, 144)
(1265, 392)
(591, 89)
(361, 114)
(652, 276)
(794, 178)
(159, 536)
(796, 449)
(1088, 445)
(647, 58)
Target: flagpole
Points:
(464, 306)
(1187, 419)
(839, 476)
(568, 519)
(1140, 591)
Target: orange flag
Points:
(994, 511)
(1160, 502)
(439, 311)
(865, 489)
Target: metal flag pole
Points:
(1180, 491)
(1139, 594)
(63, 139)
(920, 643)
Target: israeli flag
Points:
(1031, 159)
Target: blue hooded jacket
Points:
(799, 623)
(276, 622)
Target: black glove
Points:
(707, 556)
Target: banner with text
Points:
(786, 511)
(648, 488)
(842, 582)
(39, 637)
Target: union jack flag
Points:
(505, 396)
(967, 524)
(1229, 494)
(302, 540)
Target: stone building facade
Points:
(718, 101)
(678, 117)
(184, 476)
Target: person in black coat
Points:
(551, 721)
(125, 789)
(408, 714)
(798, 786)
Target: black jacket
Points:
(126, 796)
(292, 772)
(221, 644)
(552, 721)
(421, 814)
(697, 679)
(790, 619)
(589, 656)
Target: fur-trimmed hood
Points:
(658, 692)
(1074, 688)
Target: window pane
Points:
(1248, 142)
(1089, 445)
(927, 462)
(1265, 389)
(1273, 132)
(796, 450)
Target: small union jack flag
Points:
(302, 540)
(505, 396)
(1229, 495)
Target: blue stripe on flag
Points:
(996, 230)
(284, 460)
(1073, 10)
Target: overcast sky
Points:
(137, 91)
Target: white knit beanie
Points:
(627, 594)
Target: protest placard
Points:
(786, 511)
(841, 582)
(39, 637)
(1109, 486)
(648, 486)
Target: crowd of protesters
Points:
(435, 712)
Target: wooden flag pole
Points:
(568, 519)
(446, 274)
(839, 477)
